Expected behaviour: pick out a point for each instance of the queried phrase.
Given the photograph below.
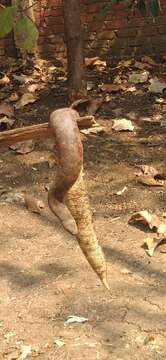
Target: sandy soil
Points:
(44, 277)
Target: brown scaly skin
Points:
(69, 147)
(68, 198)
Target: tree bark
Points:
(74, 44)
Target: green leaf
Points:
(27, 34)
(154, 7)
(142, 7)
(6, 20)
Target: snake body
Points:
(68, 197)
(70, 152)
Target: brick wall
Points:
(118, 33)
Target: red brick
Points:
(127, 32)
(135, 33)
(89, 36)
(53, 12)
(160, 20)
(162, 29)
(136, 22)
(115, 24)
(2, 51)
(147, 31)
(86, 18)
(94, 8)
(106, 35)
(95, 25)
(159, 40)
(56, 3)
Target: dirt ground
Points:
(44, 277)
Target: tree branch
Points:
(38, 131)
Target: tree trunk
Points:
(74, 43)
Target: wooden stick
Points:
(38, 131)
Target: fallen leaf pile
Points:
(155, 224)
(150, 176)
(127, 76)
(23, 147)
(23, 83)
(6, 115)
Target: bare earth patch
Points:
(44, 277)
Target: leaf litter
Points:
(23, 147)
(150, 176)
(110, 96)
(155, 224)
(122, 125)
(27, 98)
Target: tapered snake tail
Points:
(78, 203)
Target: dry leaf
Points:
(59, 343)
(75, 319)
(87, 121)
(4, 80)
(151, 244)
(23, 147)
(111, 87)
(149, 180)
(93, 130)
(3, 95)
(13, 97)
(146, 218)
(125, 63)
(33, 204)
(161, 230)
(13, 355)
(156, 86)
(150, 339)
(100, 65)
(7, 121)
(26, 350)
(126, 271)
(142, 65)
(26, 98)
(52, 161)
(90, 85)
(148, 170)
(137, 78)
(12, 197)
(6, 109)
(90, 61)
(148, 60)
(23, 79)
(33, 87)
(131, 89)
(122, 125)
